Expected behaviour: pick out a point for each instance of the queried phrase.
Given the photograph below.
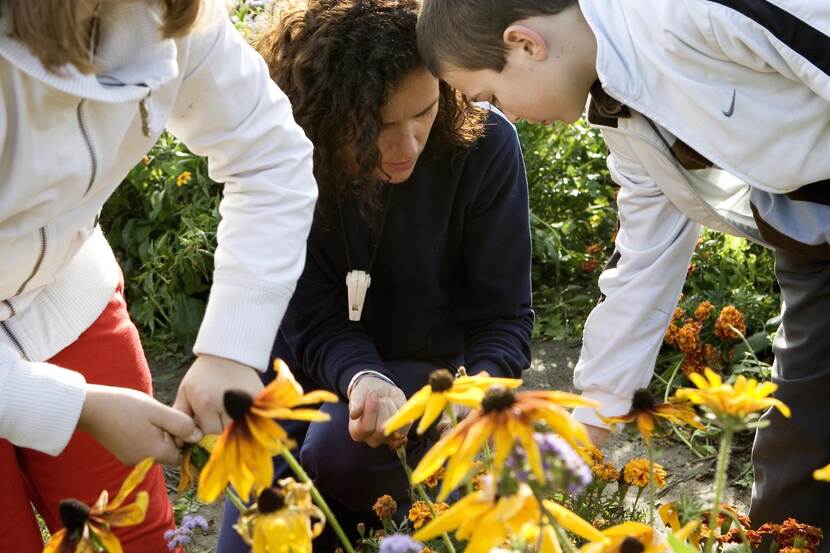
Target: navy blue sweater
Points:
(451, 276)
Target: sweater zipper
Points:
(11, 334)
(93, 158)
(38, 263)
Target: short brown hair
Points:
(54, 32)
(467, 34)
(339, 61)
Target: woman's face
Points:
(407, 121)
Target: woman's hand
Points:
(373, 401)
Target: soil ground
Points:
(551, 368)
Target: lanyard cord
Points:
(387, 201)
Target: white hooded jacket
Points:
(66, 142)
(715, 112)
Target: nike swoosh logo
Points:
(731, 109)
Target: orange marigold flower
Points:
(385, 507)
(420, 514)
(589, 265)
(606, 472)
(678, 313)
(688, 338)
(592, 455)
(792, 533)
(437, 476)
(594, 249)
(86, 529)
(693, 364)
(671, 334)
(184, 178)
(636, 473)
(730, 320)
(712, 356)
(703, 311)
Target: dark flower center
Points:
(632, 545)
(270, 501)
(74, 514)
(238, 403)
(441, 380)
(498, 399)
(643, 401)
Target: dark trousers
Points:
(350, 475)
(788, 451)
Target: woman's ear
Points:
(529, 41)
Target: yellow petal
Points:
(214, 475)
(450, 519)
(286, 414)
(108, 539)
(471, 397)
(434, 407)
(822, 474)
(699, 381)
(684, 533)
(714, 378)
(318, 396)
(135, 478)
(645, 424)
(782, 407)
(462, 460)
(409, 412)
(572, 522)
(504, 435)
(129, 515)
(437, 454)
(55, 541)
(534, 457)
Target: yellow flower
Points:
(242, 455)
(606, 472)
(744, 398)
(429, 402)
(184, 178)
(822, 474)
(83, 527)
(624, 538)
(280, 522)
(487, 521)
(191, 465)
(636, 473)
(420, 513)
(385, 507)
(645, 412)
(507, 417)
(728, 322)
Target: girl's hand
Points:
(134, 426)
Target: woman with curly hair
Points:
(419, 256)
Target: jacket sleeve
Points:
(39, 403)
(329, 348)
(640, 287)
(494, 305)
(229, 110)
(766, 37)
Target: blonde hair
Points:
(54, 32)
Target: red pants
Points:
(108, 353)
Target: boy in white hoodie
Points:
(87, 88)
(715, 112)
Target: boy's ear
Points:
(531, 42)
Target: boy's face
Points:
(551, 65)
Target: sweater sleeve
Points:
(329, 348)
(229, 110)
(640, 287)
(39, 403)
(494, 301)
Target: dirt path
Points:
(551, 368)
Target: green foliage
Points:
(162, 226)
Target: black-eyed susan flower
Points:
(628, 537)
(737, 401)
(506, 417)
(86, 530)
(645, 412)
(242, 455)
(284, 520)
(194, 458)
(636, 473)
(430, 401)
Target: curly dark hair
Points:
(339, 61)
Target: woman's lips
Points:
(400, 167)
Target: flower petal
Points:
(55, 541)
(135, 478)
(129, 515)
(107, 539)
(434, 407)
(409, 412)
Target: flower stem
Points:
(236, 500)
(651, 483)
(720, 480)
(424, 496)
(315, 493)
